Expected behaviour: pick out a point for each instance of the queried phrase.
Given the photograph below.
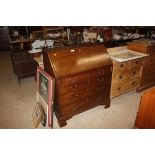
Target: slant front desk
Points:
(83, 79)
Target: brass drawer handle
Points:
(119, 88)
(76, 95)
(137, 62)
(87, 89)
(100, 79)
(88, 81)
(121, 65)
(71, 97)
(133, 83)
(120, 77)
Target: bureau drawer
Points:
(120, 66)
(90, 101)
(68, 109)
(85, 77)
(73, 96)
(82, 104)
(80, 85)
(119, 89)
(149, 60)
(136, 63)
(148, 79)
(148, 70)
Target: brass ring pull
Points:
(133, 83)
(121, 77)
(119, 88)
(137, 62)
(88, 81)
(121, 65)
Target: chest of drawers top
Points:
(142, 46)
(66, 61)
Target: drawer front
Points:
(136, 72)
(119, 77)
(119, 89)
(87, 83)
(82, 93)
(148, 79)
(149, 60)
(147, 70)
(80, 78)
(120, 66)
(68, 109)
(90, 101)
(136, 63)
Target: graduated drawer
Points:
(119, 89)
(79, 85)
(148, 79)
(148, 69)
(120, 77)
(68, 109)
(78, 78)
(91, 101)
(120, 66)
(136, 63)
(149, 60)
(73, 96)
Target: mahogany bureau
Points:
(82, 78)
(148, 70)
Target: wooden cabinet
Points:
(146, 114)
(148, 71)
(83, 79)
(23, 63)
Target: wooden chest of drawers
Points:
(148, 71)
(83, 79)
(126, 74)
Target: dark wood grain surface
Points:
(83, 79)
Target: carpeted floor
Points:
(17, 104)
